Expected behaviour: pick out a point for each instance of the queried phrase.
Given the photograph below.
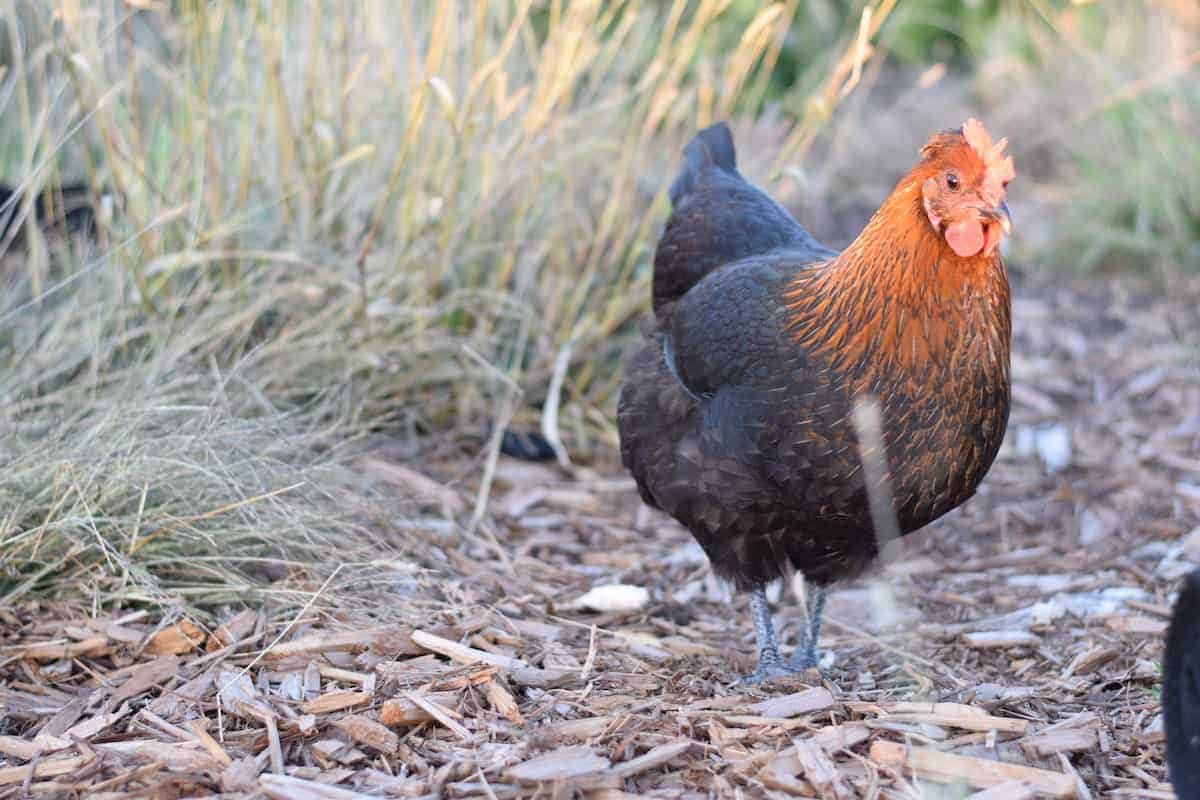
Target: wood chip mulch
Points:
(1009, 651)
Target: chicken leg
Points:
(770, 664)
(805, 655)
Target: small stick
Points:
(210, 744)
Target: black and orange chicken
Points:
(737, 415)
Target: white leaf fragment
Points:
(613, 597)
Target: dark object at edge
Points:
(69, 207)
(526, 445)
(1181, 691)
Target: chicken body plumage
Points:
(736, 415)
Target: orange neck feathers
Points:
(899, 295)
(899, 248)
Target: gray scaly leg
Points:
(814, 605)
(770, 664)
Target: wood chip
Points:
(115, 632)
(93, 726)
(1074, 740)
(1073, 735)
(341, 675)
(537, 630)
(819, 770)
(1090, 661)
(236, 629)
(52, 651)
(235, 690)
(996, 640)
(561, 764)
(401, 711)
(169, 702)
(1137, 623)
(325, 750)
(42, 769)
(144, 678)
(184, 636)
(653, 758)
(334, 701)
(241, 775)
(781, 773)
(841, 737)
(474, 677)
(1009, 790)
(545, 678)
(267, 717)
(283, 787)
(786, 706)
(504, 703)
(463, 654)
(953, 715)
(312, 680)
(394, 636)
(439, 713)
(575, 729)
(367, 731)
(934, 765)
(210, 744)
(179, 757)
(155, 721)
(29, 749)
(67, 716)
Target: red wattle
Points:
(965, 238)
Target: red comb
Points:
(998, 167)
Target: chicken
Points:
(1181, 690)
(735, 415)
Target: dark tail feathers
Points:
(712, 146)
(718, 218)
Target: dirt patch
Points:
(1015, 643)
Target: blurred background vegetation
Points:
(319, 224)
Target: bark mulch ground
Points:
(1010, 650)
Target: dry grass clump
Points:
(138, 474)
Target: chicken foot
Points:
(770, 664)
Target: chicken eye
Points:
(952, 181)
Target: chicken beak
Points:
(1005, 217)
(999, 215)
